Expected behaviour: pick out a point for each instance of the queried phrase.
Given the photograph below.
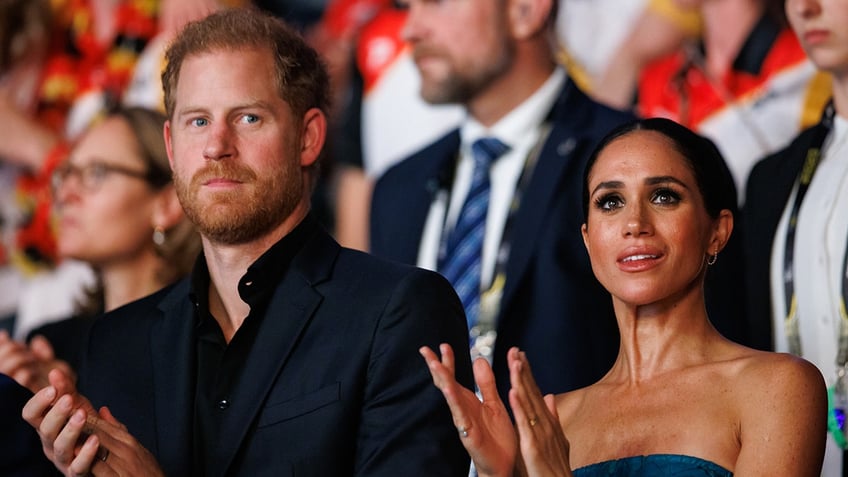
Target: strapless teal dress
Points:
(656, 465)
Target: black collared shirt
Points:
(219, 364)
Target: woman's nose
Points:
(803, 8)
(637, 222)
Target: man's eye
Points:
(250, 118)
(199, 122)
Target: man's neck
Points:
(130, 280)
(227, 264)
(507, 92)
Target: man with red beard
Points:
(283, 353)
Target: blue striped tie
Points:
(462, 260)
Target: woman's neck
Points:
(126, 282)
(662, 337)
(840, 92)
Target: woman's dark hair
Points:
(715, 183)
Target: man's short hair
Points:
(302, 79)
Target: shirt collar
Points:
(262, 276)
(522, 120)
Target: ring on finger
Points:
(533, 420)
(463, 430)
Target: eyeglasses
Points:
(92, 175)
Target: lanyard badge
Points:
(837, 404)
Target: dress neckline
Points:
(666, 458)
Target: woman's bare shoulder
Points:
(777, 370)
(778, 387)
(781, 409)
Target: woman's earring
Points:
(158, 236)
(713, 258)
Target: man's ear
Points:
(313, 135)
(528, 18)
(166, 132)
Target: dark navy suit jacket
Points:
(552, 306)
(333, 384)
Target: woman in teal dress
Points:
(680, 398)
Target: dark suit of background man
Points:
(497, 59)
(283, 354)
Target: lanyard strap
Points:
(790, 322)
(490, 299)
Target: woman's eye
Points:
(666, 196)
(608, 202)
(97, 172)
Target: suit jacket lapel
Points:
(555, 157)
(786, 174)
(434, 176)
(172, 348)
(288, 315)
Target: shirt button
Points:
(223, 404)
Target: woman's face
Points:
(647, 232)
(822, 28)
(104, 206)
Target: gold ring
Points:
(533, 421)
(463, 430)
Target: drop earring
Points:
(158, 236)
(713, 258)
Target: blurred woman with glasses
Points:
(116, 210)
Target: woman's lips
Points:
(638, 260)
